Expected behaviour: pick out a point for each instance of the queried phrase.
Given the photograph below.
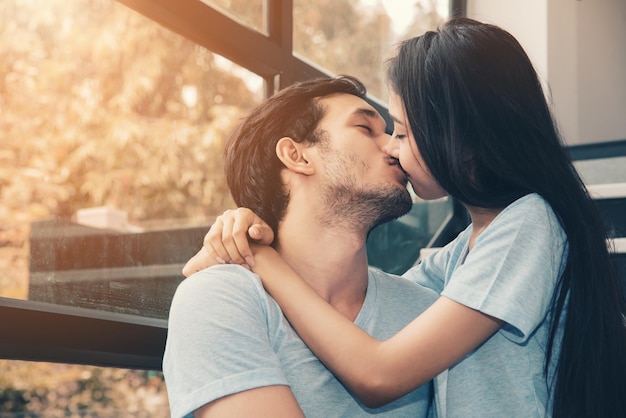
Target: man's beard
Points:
(362, 209)
(355, 207)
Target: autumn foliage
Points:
(100, 106)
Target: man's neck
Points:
(332, 261)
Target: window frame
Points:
(37, 331)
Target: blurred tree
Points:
(426, 18)
(67, 390)
(94, 113)
(345, 38)
(100, 106)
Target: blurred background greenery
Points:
(99, 106)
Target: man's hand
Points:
(227, 241)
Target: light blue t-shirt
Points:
(227, 335)
(510, 274)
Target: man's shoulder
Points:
(220, 281)
(221, 273)
(220, 339)
(217, 297)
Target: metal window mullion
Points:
(206, 26)
(40, 331)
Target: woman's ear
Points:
(292, 155)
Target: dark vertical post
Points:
(458, 8)
(280, 28)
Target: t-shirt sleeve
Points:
(512, 271)
(218, 340)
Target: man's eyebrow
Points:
(370, 113)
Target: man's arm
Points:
(268, 401)
(219, 350)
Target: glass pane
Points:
(606, 181)
(357, 37)
(602, 170)
(30, 389)
(395, 246)
(249, 12)
(112, 130)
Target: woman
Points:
(530, 318)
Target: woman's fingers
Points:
(228, 240)
(200, 261)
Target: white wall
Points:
(563, 67)
(517, 17)
(602, 69)
(579, 50)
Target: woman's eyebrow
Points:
(396, 120)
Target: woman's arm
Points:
(227, 240)
(377, 372)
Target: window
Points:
(348, 37)
(113, 115)
(126, 122)
(249, 12)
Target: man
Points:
(310, 162)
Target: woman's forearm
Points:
(352, 354)
(376, 372)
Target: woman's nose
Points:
(391, 147)
(382, 140)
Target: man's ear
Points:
(292, 154)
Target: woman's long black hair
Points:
(483, 126)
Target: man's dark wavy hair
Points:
(252, 167)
